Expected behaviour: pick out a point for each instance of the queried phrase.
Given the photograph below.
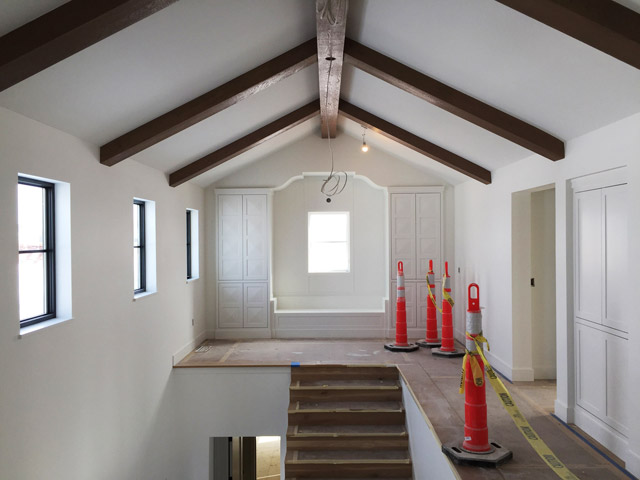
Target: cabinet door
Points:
(617, 401)
(588, 255)
(428, 233)
(255, 237)
(410, 303)
(230, 305)
(403, 234)
(591, 371)
(229, 237)
(256, 311)
(615, 239)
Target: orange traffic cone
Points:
(401, 344)
(431, 340)
(447, 349)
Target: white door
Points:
(588, 245)
(230, 305)
(229, 237)
(427, 234)
(255, 237)
(256, 313)
(403, 234)
(615, 261)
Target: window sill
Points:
(42, 325)
(138, 296)
(189, 280)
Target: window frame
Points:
(142, 247)
(189, 251)
(347, 242)
(49, 250)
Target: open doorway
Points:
(533, 286)
(245, 458)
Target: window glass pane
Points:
(136, 225)
(31, 217)
(32, 285)
(136, 268)
(329, 227)
(328, 257)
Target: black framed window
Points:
(36, 250)
(139, 254)
(189, 272)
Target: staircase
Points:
(346, 422)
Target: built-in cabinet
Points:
(416, 237)
(242, 260)
(600, 314)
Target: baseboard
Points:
(189, 347)
(521, 375)
(607, 436)
(564, 412)
(324, 334)
(632, 462)
(242, 333)
(544, 373)
(498, 364)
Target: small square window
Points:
(328, 242)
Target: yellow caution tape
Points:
(432, 296)
(445, 294)
(478, 376)
(523, 425)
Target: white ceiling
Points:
(477, 46)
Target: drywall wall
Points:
(311, 154)
(543, 294)
(86, 398)
(483, 242)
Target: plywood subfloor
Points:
(434, 382)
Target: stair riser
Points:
(354, 470)
(321, 373)
(346, 444)
(347, 418)
(345, 395)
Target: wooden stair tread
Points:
(365, 461)
(346, 429)
(343, 387)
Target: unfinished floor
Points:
(434, 382)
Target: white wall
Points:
(483, 243)
(87, 398)
(311, 154)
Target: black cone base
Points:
(425, 344)
(440, 353)
(412, 347)
(491, 459)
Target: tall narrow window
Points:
(36, 251)
(189, 269)
(328, 242)
(139, 252)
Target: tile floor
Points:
(434, 381)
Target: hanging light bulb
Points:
(365, 147)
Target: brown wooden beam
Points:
(453, 101)
(415, 143)
(602, 24)
(243, 144)
(209, 104)
(331, 24)
(68, 29)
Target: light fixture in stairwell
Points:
(365, 147)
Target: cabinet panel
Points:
(588, 234)
(255, 237)
(230, 237)
(616, 385)
(403, 234)
(614, 205)
(256, 312)
(428, 233)
(410, 303)
(230, 302)
(591, 372)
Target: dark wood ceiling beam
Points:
(243, 144)
(331, 24)
(602, 24)
(415, 143)
(66, 30)
(453, 101)
(209, 103)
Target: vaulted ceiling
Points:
(481, 48)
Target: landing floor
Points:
(434, 382)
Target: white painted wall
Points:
(483, 245)
(87, 398)
(311, 154)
